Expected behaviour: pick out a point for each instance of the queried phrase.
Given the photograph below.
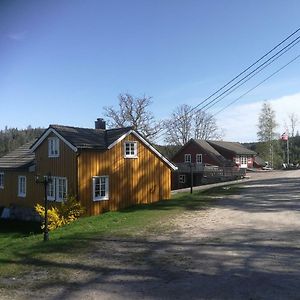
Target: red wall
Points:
(193, 149)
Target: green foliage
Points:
(13, 138)
(69, 211)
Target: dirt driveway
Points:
(245, 246)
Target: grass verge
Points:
(23, 250)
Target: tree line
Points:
(12, 138)
(183, 124)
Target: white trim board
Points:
(45, 135)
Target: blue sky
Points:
(62, 61)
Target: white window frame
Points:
(106, 188)
(187, 158)
(53, 147)
(54, 193)
(199, 161)
(182, 178)
(244, 160)
(22, 186)
(132, 147)
(1, 180)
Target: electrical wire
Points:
(256, 86)
(245, 78)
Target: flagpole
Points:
(288, 152)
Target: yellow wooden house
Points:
(106, 169)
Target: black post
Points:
(192, 179)
(45, 180)
(46, 233)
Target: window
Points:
(187, 158)
(57, 189)
(1, 180)
(244, 160)
(22, 186)
(199, 158)
(100, 188)
(130, 149)
(53, 147)
(181, 178)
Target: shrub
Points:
(69, 211)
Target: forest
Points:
(12, 138)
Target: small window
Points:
(53, 147)
(130, 149)
(100, 188)
(199, 158)
(61, 188)
(1, 180)
(51, 190)
(181, 178)
(187, 158)
(57, 189)
(22, 186)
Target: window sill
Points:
(100, 199)
(22, 195)
(130, 156)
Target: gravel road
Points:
(245, 246)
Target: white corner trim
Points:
(44, 136)
(120, 139)
(171, 165)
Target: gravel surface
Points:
(244, 246)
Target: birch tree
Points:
(267, 129)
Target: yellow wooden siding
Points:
(145, 179)
(9, 194)
(63, 166)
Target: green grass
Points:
(22, 248)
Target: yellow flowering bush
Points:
(69, 211)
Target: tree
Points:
(294, 120)
(185, 124)
(266, 130)
(134, 112)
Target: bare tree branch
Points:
(134, 111)
(182, 126)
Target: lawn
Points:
(22, 249)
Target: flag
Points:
(284, 136)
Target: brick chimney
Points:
(100, 124)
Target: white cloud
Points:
(17, 36)
(240, 122)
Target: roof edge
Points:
(44, 136)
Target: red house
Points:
(201, 161)
(235, 152)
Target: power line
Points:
(243, 80)
(248, 68)
(256, 86)
(250, 77)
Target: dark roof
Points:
(259, 161)
(89, 138)
(214, 154)
(19, 158)
(233, 147)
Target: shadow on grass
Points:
(18, 228)
(237, 267)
